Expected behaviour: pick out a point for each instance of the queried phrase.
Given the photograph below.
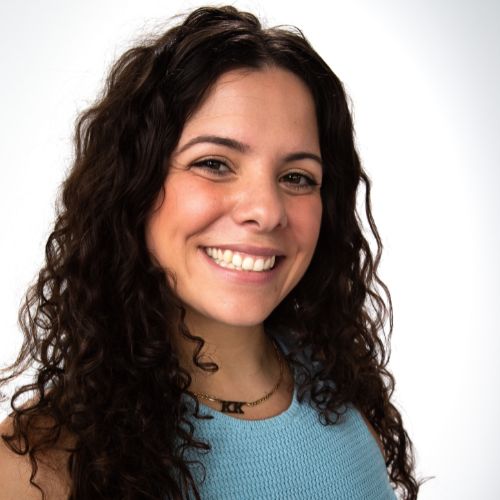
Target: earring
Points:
(296, 305)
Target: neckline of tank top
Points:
(245, 424)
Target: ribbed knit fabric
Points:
(290, 456)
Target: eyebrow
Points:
(244, 148)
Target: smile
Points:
(240, 261)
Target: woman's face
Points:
(241, 214)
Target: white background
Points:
(424, 80)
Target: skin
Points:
(15, 470)
(254, 202)
(258, 195)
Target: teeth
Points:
(247, 264)
(234, 260)
(258, 265)
(228, 256)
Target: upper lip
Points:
(249, 249)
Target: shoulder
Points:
(285, 341)
(372, 431)
(15, 472)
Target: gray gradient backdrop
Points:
(424, 78)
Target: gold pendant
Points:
(232, 406)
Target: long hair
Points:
(100, 319)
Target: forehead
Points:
(270, 104)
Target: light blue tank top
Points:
(290, 456)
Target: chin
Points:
(240, 316)
(242, 319)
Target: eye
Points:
(299, 181)
(213, 166)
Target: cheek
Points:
(307, 222)
(191, 204)
(189, 207)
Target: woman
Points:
(207, 323)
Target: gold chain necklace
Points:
(236, 406)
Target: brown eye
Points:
(213, 166)
(298, 180)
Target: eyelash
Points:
(204, 164)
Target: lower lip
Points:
(257, 277)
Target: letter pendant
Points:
(232, 407)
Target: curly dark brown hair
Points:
(100, 319)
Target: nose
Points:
(260, 204)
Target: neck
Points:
(247, 360)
